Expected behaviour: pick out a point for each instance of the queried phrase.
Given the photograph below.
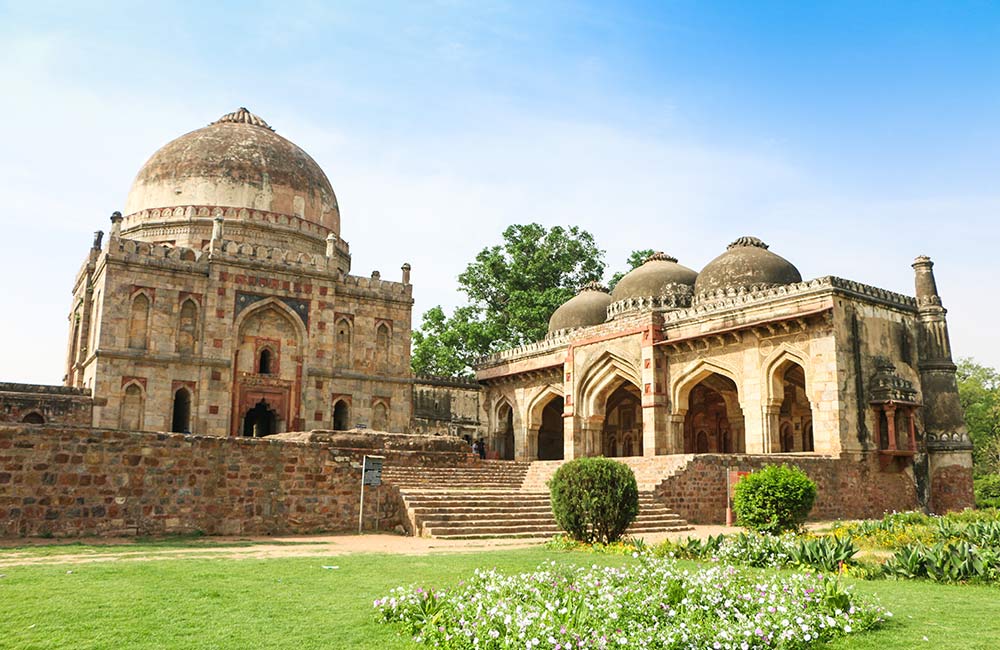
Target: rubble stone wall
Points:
(65, 481)
(849, 487)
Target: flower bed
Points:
(650, 604)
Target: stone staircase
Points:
(497, 499)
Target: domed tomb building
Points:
(222, 301)
(744, 363)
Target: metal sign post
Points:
(371, 474)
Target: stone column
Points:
(949, 447)
(406, 272)
(675, 434)
(217, 232)
(331, 246)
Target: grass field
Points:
(296, 603)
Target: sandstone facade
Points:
(742, 358)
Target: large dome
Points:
(660, 275)
(746, 265)
(589, 307)
(237, 162)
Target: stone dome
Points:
(588, 307)
(746, 265)
(237, 162)
(660, 275)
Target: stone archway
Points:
(260, 421)
(789, 408)
(503, 439)
(621, 434)
(713, 420)
(550, 431)
(341, 416)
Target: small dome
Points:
(746, 265)
(238, 161)
(659, 275)
(589, 307)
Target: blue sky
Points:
(851, 136)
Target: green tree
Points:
(635, 260)
(979, 392)
(512, 289)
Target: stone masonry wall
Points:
(849, 487)
(76, 481)
(54, 404)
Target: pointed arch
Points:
(278, 306)
(187, 326)
(344, 339)
(788, 407)
(138, 323)
(133, 402)
(180, 415)
(380, 415)
(503, 428)
(602, 378)
(539, 402)
(775, 365)
(681, 387)
(33, 417)
(383, 339)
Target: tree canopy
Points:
(979, 392)
(512, 290)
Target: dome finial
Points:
(744, 242)
(659, 256)
(593, 285)
(243, 116)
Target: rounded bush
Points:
(988, 491)
(594, 499)
(774, 499)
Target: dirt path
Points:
(278, 547)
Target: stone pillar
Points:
(406, 272)
(98, 237)
(755, 428)
(772, 429)
(217, 232)
(331, 246)
(675, 434)
(116, 225)
(949, 447)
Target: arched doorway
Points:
(341, 416)
(33, 418)
(181, 420)
(714, 421)
(550, 433)
(503, 438)
(795, 413)
(622, 432)
(260, 421)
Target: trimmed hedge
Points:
(594, 499)
(774, 499)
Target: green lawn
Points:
(295, 603)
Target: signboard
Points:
(371, 474)
(372, 470)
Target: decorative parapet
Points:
(948, 441)
(233, 216)
(43, 389)
(887, 386)
(675, 296)
(523, 351)
(133, 250)
(724, 300)
(462, 381)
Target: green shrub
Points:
(594, 499)
(774, 499)
(987, 491)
